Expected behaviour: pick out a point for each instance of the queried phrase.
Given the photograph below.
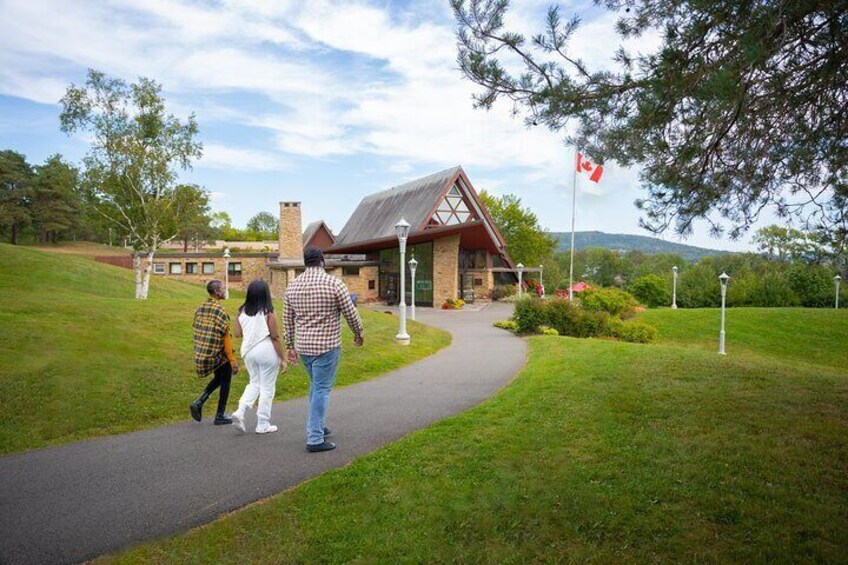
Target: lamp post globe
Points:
(520, 268)
(402, 230)
(227, 272)
(723, 277)
(674, 287)
(413, 264)
(836, 281)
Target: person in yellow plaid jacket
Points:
(213, 352)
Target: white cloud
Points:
(222, 157)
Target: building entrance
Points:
(390, 274)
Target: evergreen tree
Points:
(741, 107)
(15, 193)
(56, 201)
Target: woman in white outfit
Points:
(262, 353)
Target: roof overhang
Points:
(473, 235)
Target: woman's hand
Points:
(284, 367)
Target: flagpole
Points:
(573, 215)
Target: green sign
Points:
(423, 285)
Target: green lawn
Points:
(599, 451)
(80, 357)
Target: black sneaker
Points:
(328, 432)
(196, 408)
(223, 420)
(326, 446)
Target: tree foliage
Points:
(526, 241)
(131, 168)
(15, 193)
(742, 107)
(264, 224)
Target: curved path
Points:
(75, 502)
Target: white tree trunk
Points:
(145, 279)
(138, 276)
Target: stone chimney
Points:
(291, 232)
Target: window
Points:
(234, 270)
(372, 284)
(175, 268)
(191, 268)
(159, 268)
(478, 282)
(350, 271)
(452, 210)
(208, 268)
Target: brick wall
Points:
(445, 269)
(487, 278)
(251, 268)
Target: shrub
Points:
(505, 325)
(634, 332)
(529, 315)
(651, 290)
(453, 304)
(546, 330)
(562, 315)
(502, 291)
(592, 324)
(613, 301)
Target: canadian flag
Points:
(586, 166)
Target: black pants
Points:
(222, 378)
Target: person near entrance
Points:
(213, 352)
(314, 304)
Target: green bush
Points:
(529, 315)
(562, 315)
(634, 332)
(613, 301)
(774, 290)
(505, 325)
(592, 324)
(546, 330)
(651, 290)
(502, 291)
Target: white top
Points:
(254, 330)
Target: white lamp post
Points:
(227, 272)
(674, 287)
(723, 278)
(412, 266)
(520, 274)
(836, 280)
(541, 268)
(402, 229)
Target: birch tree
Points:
(131, 168)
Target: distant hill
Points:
(629, 242)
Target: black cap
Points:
(313, 257)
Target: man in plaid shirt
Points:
(314, 304)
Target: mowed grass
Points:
(807, 336)
(79, 357)
(599, 451)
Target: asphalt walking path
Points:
(75, 502)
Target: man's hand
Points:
(358, 341)
(235, 367)
(292, 355)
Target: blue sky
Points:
(321, 101)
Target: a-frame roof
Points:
(312, 230)
(441, 203)
(377, 214)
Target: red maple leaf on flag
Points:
(586, 166)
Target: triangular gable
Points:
(460, 204)
(317, 234)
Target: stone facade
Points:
(291, 232)
(487, 280)
(359, 284)
(253, 266)
(445, 269)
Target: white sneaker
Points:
(266, 430)
(238, 421)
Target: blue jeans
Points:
(322, 375)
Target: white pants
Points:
(263, 365)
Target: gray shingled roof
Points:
(377, 214)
